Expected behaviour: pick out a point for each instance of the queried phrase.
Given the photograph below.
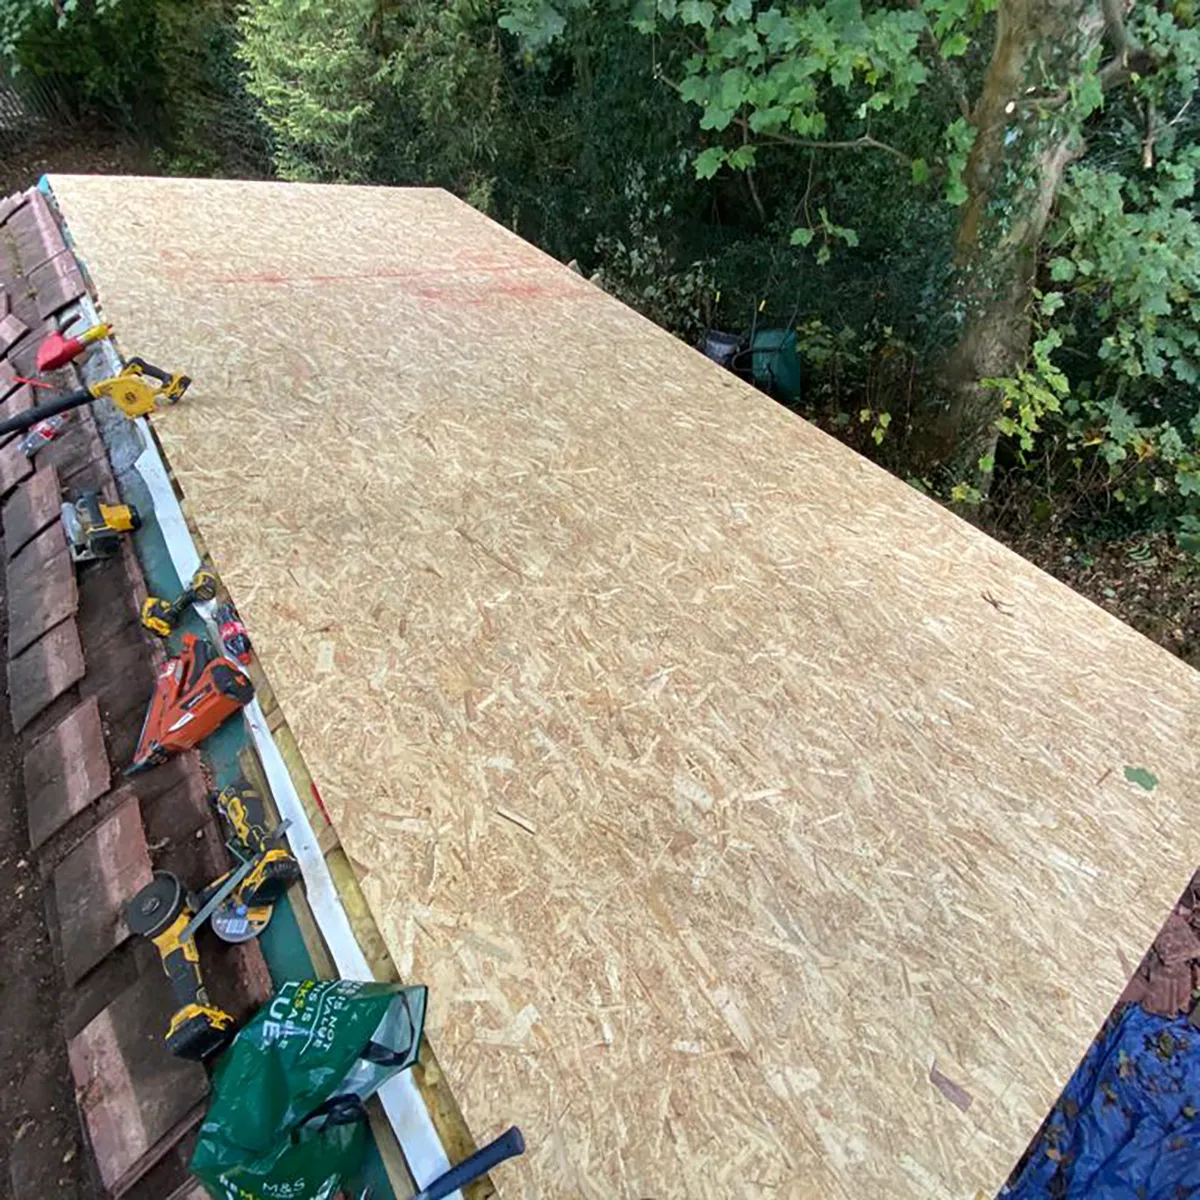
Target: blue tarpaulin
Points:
(1127, 1126)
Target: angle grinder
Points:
(160, 912)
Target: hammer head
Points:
(57, 350)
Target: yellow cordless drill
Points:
(161, 616)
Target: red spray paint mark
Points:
(320, 804)
(412, 273)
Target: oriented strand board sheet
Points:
(761, 829)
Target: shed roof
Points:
(760, 827)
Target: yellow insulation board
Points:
(760, 828)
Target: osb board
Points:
(717, 783)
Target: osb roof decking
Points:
(759, 827)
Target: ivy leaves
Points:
(1124, 257)
(1133, 247)
(959, 138)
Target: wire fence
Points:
(29, 105)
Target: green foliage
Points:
(96, 54)
(536, 22)
(873, 368)
(318, 79)
(1033, 394)
(1130, 246)
(1123, 268)
(639, 269)
(798, 73)
(209, 124)
(19, 17)
(879, 422)
(14, 19)
(353, 90)
(771, 69)
(958, 140)
(830, 233)
(164, 69)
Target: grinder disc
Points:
(237, 922)
(154, 908)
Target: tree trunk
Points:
(1026, 134)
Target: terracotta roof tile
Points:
(34, 505)
(44, 672)
(57, 282)
(17, 402)
(12, 330)
(41, 589)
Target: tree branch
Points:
(758, 204)
(865, 142)
(1129, 54)
(1179, 115)
(1114, 22)
(812, 158)
(1114, 73)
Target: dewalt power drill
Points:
(160, 912)
(161, 616)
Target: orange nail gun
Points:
(194, 695)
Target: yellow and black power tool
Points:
(161, 616)
(136, 391)
(136, 397)
(238, 904)
(247, 910)
(94, 528)
(160, 912)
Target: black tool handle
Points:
(178, 606)
(197, 653)
(508, 1145)
(163, 377)
(184, 973)
(31, 416)
(148, 369)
